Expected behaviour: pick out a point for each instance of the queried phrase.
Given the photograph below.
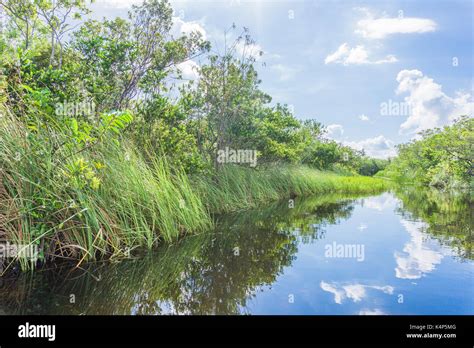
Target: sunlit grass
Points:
(235, 188)
(135, 204)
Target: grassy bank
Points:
(102, 201)
(105, 200)
(235, 188)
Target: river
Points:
(401, 252)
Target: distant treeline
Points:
(442, 158)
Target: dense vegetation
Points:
(106, 146)
(442, 158)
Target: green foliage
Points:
(100, 153)
(323, 154)
(371, 166)
(226, 101)
(279, 135)
(440, 158)
(121, 58)
(162, 129)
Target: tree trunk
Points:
(51, 59)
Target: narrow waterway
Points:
(406, 252)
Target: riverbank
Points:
(104, 202)
(237, 188)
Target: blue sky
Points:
(349, 64)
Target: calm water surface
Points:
(406, 252)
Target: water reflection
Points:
(254, 261)
(380, 203)
(419, 255)
(448, 217)
(354, 292)
(212, 273)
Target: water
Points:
(408, 252)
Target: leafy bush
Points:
(441, 158)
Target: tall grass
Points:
(136, 204)
(235, 188)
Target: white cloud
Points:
(355, 292)
(418, 257)
(429, 106)
(338, 294)
(189, 69)
(118, 3)
(378, 147)
(334, 131)
(285, 72)
(338, 55)
(181, 27)
(379, 28)
(364, 117)
(386, 289)
(386, 201)
(357, 55)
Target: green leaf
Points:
(74, 127)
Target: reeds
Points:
(235, 188)
(133, 203)
(136, 203)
